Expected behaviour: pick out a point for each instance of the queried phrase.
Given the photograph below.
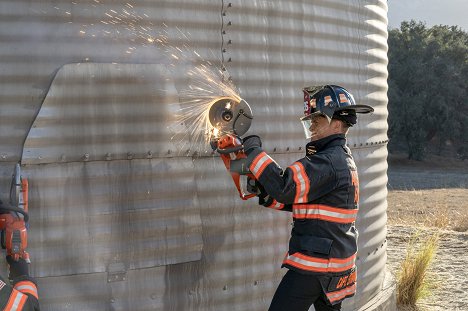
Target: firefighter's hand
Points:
(251, 142)
(17, 268)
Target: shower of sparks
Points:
(204, 82)
(205, 87)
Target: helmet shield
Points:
(306, 126)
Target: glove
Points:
(250, 143)
(17, 268)
(253, 186)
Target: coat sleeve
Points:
(20, 295)
(27, 287)
(301, 182)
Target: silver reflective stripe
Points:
(341, 293)
(15, 305)
(323, 265)
(342, 265)
(307, 263)
(264, 158)
(318, 211)
(302, 182)
(22, 287)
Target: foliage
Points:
(413, 282)
(428, 92)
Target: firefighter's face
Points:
(320, 127)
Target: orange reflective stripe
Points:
(16, 301)
(355, 183)
(27, 287)
(302, 182)
(316, 264)
(341, 294)
(276, 205)
(259, 164)
(324, 212)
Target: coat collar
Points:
(333, 140)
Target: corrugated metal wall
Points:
(120, 220)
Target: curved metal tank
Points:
(121, 220)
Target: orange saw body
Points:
(231, 150)
(14, 234)
(232, 118)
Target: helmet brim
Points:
(364, 109)
(357, 108)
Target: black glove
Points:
(17, 268)
(250, 143)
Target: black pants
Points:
(297, 292)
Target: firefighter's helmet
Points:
(329, 100)
(332, 101)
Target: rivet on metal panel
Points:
(149, 154)
(223, 68)
(224, 32)
(224, 13)
(116, 272)
(300, 148)
(229, 60)
(229, 4)
(354, 145)
(169, 151)
(255, 283)
(39, 157)
(86, 157)
(108, 156)
(63, 158)
(287, 149)
(229, 23)
(224, 50)
(225, 287)
(274, 149)
(153, 296)
(4, 156)
(129, 155)
(229, 41)
(112, 300)
(187, 152)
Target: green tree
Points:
(427, 87)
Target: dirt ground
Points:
(427, 197)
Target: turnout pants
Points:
(297, 292)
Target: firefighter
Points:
(20, 293)
(322, 192)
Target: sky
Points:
(433, 12)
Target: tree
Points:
(427, 87)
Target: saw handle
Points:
(229, 150)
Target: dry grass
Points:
(462, 223)
(413, 282)
(440, 208)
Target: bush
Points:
(412, 281)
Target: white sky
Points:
(433, 12)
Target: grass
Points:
(462, 223)
(413, 281)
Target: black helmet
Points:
(332, 101)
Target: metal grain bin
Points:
(125, 218)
